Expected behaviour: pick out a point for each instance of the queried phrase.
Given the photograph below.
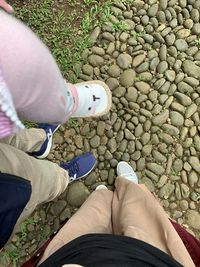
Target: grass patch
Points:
(13, 253)
(90, 2)
(23, 229)
(12, 256)
(65, 28)
(73, 123)
(54, 26)
(197, 42)
(120, 26)
(136, 35)
(128, 2)
(30, 124)
(197, 197)
(138, 78)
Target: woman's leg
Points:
(137, 213)
(94, 216)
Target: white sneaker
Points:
(91, 99)
(126, 171)
(101, 186)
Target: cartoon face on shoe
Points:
(92, 99)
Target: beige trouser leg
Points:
(27, 140)
(48, 180)
(94, 216)
(136, 213)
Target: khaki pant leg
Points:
(48, 180)
(137, 213)
(94, 216)
(27, 140)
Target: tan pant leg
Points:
(137, 213)
(27, 140)
(94, 216)
(48, 180)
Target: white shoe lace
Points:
(49, 134)
(73, 178)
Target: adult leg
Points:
(27, 140)
(94, 216)
(48, 180)
(36, 141)
(137, 213)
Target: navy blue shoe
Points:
(46, 146)
(80, 166)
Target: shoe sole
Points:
(109, 95)
(46, 153)
(101, 187)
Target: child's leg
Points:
(31, 74)
(6, 6)
(38, 90)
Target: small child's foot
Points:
(126, 171)
(91, 99)
(80, 166)
(46, 146)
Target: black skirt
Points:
(105, 250)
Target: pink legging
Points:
(31, 73)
